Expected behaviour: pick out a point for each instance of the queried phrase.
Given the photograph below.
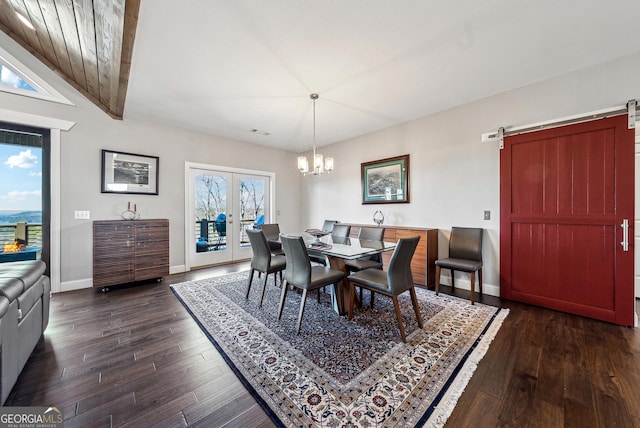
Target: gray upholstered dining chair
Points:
(340, 230)
(465, 255)
(263, 261)
(375, 261)
(301, 274)
(328, 225)
(393, 282)
(272, 233)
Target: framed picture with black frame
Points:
(129, 173)
(386, 181)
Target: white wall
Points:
(454, 177)
(80, 170)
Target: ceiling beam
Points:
(89, 43)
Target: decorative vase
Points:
(378, 218)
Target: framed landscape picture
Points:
(386, 181)
(129, 173)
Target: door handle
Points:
(625, 235)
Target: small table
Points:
(337, 250)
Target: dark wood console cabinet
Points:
(423, 262)
(129, 250)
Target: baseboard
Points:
(76, 285)
(465, 284)
(177, 269)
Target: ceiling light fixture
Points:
(25, 21)
(320, 165)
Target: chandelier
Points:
(321, 165)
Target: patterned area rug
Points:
(338, 372)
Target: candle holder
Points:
(129, 214)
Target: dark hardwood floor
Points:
(134, 357)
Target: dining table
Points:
(336, 250)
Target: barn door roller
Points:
(631, 112)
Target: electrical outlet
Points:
(487, 215)
(82, 215)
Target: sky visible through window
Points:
(11, 79)
(20, 178)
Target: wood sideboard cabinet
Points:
(129, 250)
(423, 263)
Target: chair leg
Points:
(373, 295)
(453, 282)
(416, 307)
(249, 283)
(352, 300)
(437, 279)
(283, 295)
(399, 317)
(264, 287)
(473, 287)
(480, 280)
(303, 301)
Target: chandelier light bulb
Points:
(318, 162)
(303, 165)
(328, 164)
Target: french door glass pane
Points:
(252, 198)
(211, 213)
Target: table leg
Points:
(341, 290)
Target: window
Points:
(18, 79)
(11, 79)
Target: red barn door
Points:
(564, 193)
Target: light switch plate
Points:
(82, 215)
(487, 215)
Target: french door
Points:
(566, 219)
(221, 205)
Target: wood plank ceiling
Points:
(88, 42)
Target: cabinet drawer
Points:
(112, 274)
(151, 272)
(152, 234)
(152, 247)
(151, 260)
(152, 231)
